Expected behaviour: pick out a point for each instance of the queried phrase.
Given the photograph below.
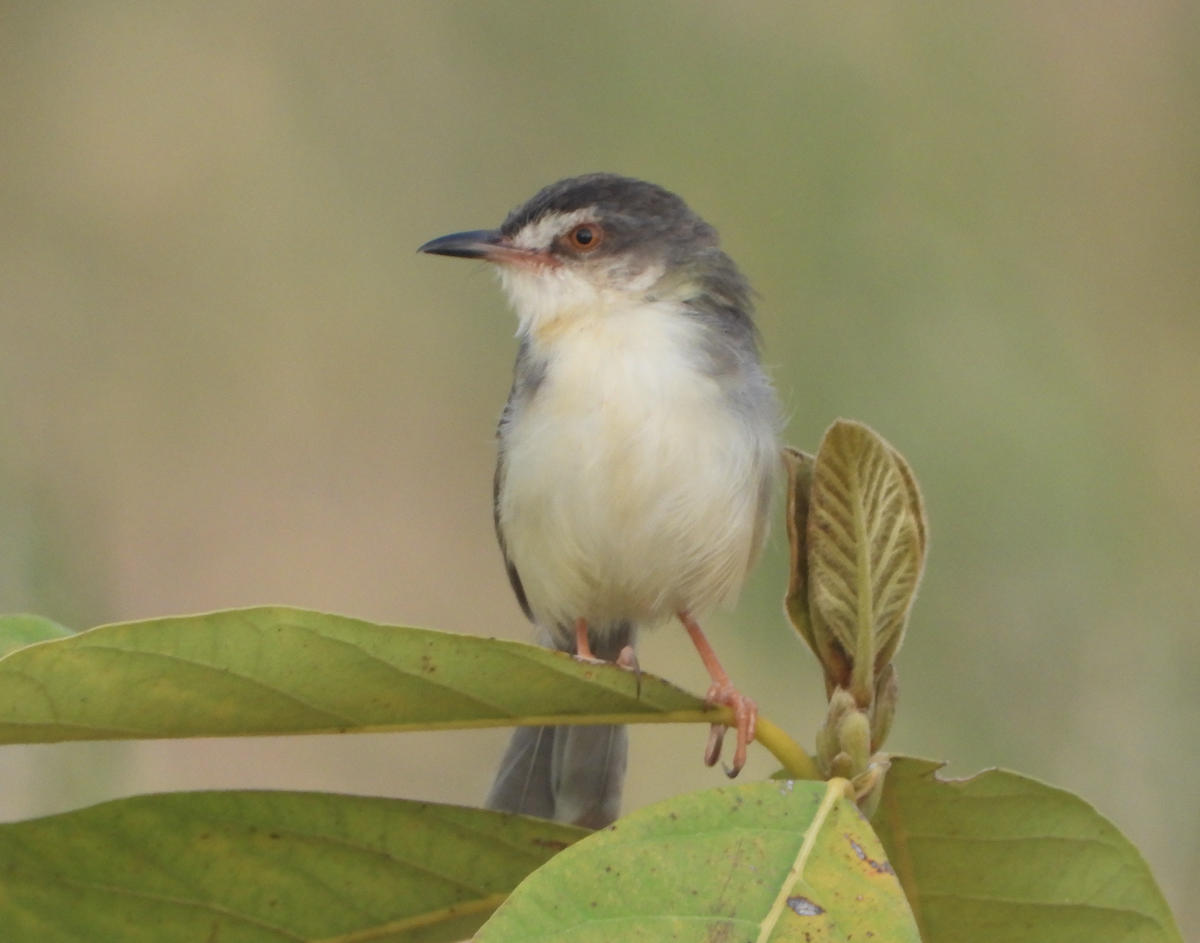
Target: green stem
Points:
(797, 762)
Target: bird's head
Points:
(596, 239)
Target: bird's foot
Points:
(722, 694)
(628, 660)
(745, 715)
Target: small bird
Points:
(638, 453)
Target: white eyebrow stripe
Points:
(539, 234)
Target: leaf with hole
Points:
(1001, 858)
(765, 861)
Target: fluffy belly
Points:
(631, 494)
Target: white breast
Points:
(632, 486)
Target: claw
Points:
(628, 660)
(716, 739)
(745, 715)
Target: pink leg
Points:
(583, 648)
(722, 691)
(583, 652)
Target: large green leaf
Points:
(17, 631)
(275, 670)
(245, 867)
(1001, 858)
(766, 861)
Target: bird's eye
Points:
(585, 236)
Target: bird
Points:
(637, 454)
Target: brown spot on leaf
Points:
(548, 843)
(720, 933)
(805, 907)
(879, 867)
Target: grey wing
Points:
(513, 576)
(528, 374)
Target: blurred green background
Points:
(226, 379)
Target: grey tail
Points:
(568, 774)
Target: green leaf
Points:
(276, 670)
(866, 549)
(765, 861)
(916, 509)
(245, 867)
(1001, 858)
(799, 466)
(17, 631)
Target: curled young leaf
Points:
(799, 467)
(809, 623)
(866, 541)
(917, 508)
(915, 503)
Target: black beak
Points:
(480, 244)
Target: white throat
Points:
(544, 296)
